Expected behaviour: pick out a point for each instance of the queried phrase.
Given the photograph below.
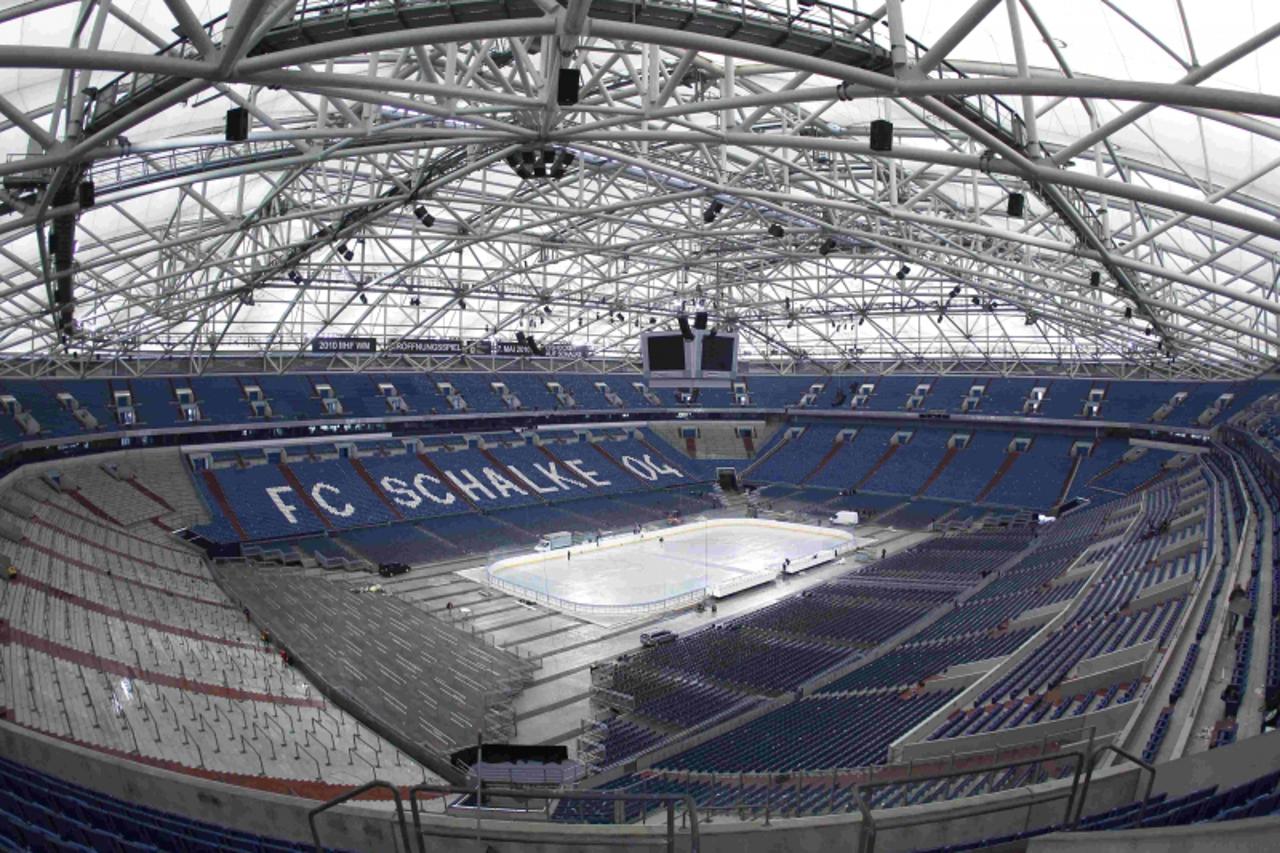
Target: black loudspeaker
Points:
(237, 124)
(567, 93)
(1095, 279)
(881, 135)
(1016, 204)
(85, 194)
(684, 327)
(700, 320)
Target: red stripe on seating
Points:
(510, 475)
(572, 475)
(91, 506)
(612, 461)
(121, 532)
(132, 481)
(81, 564)
(1007, 463)
(373, 487)
(656, 452)
(97, 607)
(116, 667)
(836, 447)
(127, 556)
(445, 481)
(304, 788)
(301, 490)
(215, 489)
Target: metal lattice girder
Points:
(367, 113)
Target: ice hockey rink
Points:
(662, 569)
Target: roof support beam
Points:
(1193, 77)
(955, 34)
(191, 27)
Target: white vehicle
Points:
(845, 516)
(555, 541)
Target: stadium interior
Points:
(663, 425)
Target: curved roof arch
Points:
(717, 157)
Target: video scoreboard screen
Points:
(706, 357)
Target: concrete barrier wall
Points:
(1112, 660)
(1171, 588)
(1120, 674)
(1104, 722)
(1039, 615)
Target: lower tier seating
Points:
(42, 812)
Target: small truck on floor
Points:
(554, 541)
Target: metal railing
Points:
(1093, 761)
(867, 827)
(547, 796)
(352, 794)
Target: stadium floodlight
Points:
(563, 160)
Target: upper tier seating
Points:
(223, 399)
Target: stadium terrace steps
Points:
(1010, 458)
(138, 627)
(454, 684)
